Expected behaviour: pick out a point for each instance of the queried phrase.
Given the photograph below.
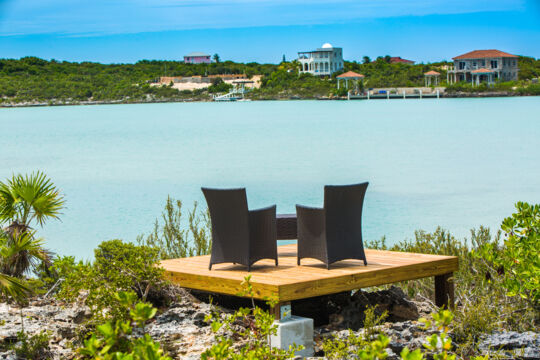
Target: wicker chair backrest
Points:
(230, 224)
(343, 215)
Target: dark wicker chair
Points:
(335, 232)
(240, 236)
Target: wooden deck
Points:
(288, 281)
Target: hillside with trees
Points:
(33, 80)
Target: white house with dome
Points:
(321, 62)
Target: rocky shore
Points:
(184, 334)
(282, 98)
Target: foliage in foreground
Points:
(490, 276)
(114, 340)
(171, 237)
(35, 347)
(257, 326)
(518, 259)
(372, 345)
(118, 266)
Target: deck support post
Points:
(291, 330)
(444, 290)
(281, 311)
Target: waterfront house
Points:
(483, 66)
(197, 58)
(321, 62)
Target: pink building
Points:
(197, 58)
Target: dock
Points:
(288, 282)
(395, 95)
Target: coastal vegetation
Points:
(497, 286)
(35, 80)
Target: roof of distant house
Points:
(196, 53)
(398, 59)
(479, 54)
(350, 75)
(482, 71)
(434, 73)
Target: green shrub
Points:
(479, 290)
(532, 89)
(334, 348)
(35, 347)
(118, 266)
(438, 344)
(219, 86)
(518, 260)
(259, 326)
(115, 340)
(173, 239)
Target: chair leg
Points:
(210, 266)
(298, 261)
(365, 262)
(327, 266)
(276, 262)
(249, 268)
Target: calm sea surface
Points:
(458, 163)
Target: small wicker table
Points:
(286, 226)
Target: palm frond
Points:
(10, 286)
(22, 253)
(27, 197)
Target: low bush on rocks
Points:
(118, 266)
(373, 344)
(114, 340)
(35, 347)
(497, 284)
(245, 333)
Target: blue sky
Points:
(262, 30)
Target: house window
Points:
(461, 65)
(483, 63)
(494, 64)
(474, 64)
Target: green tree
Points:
(366, 60)
(216, 58)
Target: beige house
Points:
(483, 66)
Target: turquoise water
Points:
(458, 163)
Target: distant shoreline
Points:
(156, 101)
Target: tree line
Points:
(35, 79)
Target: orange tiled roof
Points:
(350, 74)
(432, 73)
(482, 71)
(398, 59)
(479, 54)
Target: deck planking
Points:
(288, 281)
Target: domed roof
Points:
(327, 46)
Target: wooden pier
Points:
(288, 281)
(388, 96)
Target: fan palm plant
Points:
(25, 200)
(21, 253)
(28, 198)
